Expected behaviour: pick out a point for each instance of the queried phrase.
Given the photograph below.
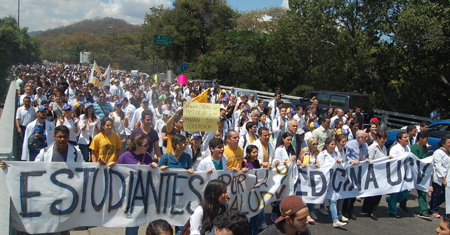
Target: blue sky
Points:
(47, 14)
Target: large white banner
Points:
(379, 177)
(98, 78)
(53, 197)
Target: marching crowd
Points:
(61, 117)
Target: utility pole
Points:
(18, 14)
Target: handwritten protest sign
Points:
(379, 177)
(54, 197)
(201, 117)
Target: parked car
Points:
(210, 83)
(239, 91)
(436, 130)
(341, 100)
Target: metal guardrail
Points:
(388, 120)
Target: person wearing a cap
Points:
(35, 128)
(39, 97)
(195, 150)
(290, 113)
(120, 122)
(102, 108)
(244, 102)
(71, 123)
(293, 219)
(114, 88)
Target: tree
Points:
(15, 47)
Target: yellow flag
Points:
(202, 98)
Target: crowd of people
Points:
(61, 117)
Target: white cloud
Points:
(47, 14)
(285, 4)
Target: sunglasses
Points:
(182, 143)
(145, 145)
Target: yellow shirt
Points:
(106, 146)
(251, 139)
(266, 154)
(234, 157)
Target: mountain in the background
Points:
(34, 33)
(97, 26)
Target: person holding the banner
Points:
(147, 130)
(136, 154)
(397, 150)
(357, 151)
(420, 149)
(195, 149)
(308, 155)
(102, 108)
(234, 152)
(217, 160)
(441, 165)
(159, 227)
(293, 219)
(213, 204)
(329, 156)
(106, 145)
(284, 150)
(177, 158)
(377, 150)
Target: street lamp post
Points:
(93, 55)
(112, 27)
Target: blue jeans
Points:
(84, 148)
(131, 230)
(255, 221)
(336, 209)
(437, 197)
(311, 207)
(124, 146)
(394, 198)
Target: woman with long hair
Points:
(177, 158)
(213, 204)
(120, 123)
(67, 120)
(260, 106)
(57, 105)
(327, 156)
(284, 151)
(106, 145)
(307, 115)
(88, 126)
(136, 154)
(371, 133)
(195, 149)
(79, 109)
(308, 155)
(354, 127)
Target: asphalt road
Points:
(409, 224)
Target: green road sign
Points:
(162, 40)
(73, 52)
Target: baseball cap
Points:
(176, 87)
(78, 104)
(290, 110)
(244, 109)
(314, 124)
(225, 100)
(118, 103)
(289, 206)
(196, 134)
(67, 107)
(39, 88)
(222, 119)
(88, 104)
(373, 120)
(154, 86)
(145, 100)
(40, 108)
(166, 112)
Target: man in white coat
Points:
(60, 150)
(266, 151)
(215, 161)
(40, 127)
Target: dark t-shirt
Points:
(152, 136)
(131, 158)
(251, 165)
(59, 156)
